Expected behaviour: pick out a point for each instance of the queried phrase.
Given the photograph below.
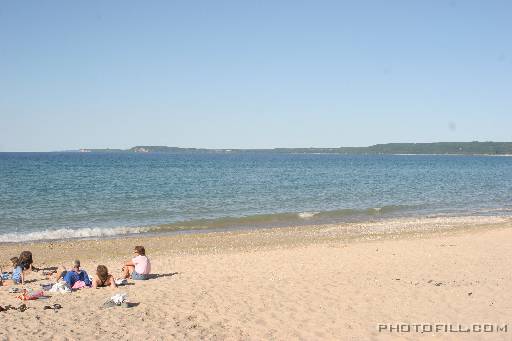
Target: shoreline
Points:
(303, 220)
(319, 282)
(277, 237)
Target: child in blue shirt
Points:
(17, 274)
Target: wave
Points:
(67, 233)
(505, 209)
(372, 211)
(258, 220)
(306, 215)
(276, 219)
(352, 212)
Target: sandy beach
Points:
(330, 282)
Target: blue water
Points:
(60, 195)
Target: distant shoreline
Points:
(264, 151)
(435, 148)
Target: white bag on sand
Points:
(61, 287)
(119, 298)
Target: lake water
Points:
(67, 195)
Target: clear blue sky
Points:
(253, 74)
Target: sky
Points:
(253, 74)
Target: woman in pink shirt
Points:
(139, 267)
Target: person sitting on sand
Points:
(17, 274)
(25, 260)
(103, 278)
(139, 267)
(60, 274)
(74, 275)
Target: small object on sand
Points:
(119, 298)
(470, 293)
(55, 307)
(22, 307)
(121, 281)
(14, 290)
(116, 300)
(46, 286)
(438, 284)
(2, 308)
(49, 272)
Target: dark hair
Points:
(15, 261)
(102, 272)
(25, 259)
(140, 250)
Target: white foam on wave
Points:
(499, 209)
(70, 233)
(306, 215)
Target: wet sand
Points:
(314, 282)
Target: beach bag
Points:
(119, 298)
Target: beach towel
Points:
(34, 295)
(79, 285)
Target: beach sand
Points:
(332, 282)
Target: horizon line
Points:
(245, 149)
